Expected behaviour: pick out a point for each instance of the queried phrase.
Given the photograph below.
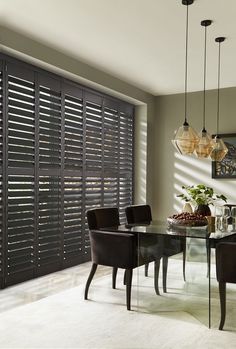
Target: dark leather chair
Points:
(141, 214)
(104, 217)
(225, 272)
(111, 248)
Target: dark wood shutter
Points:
(125, 162)
(64, 149)
(1, 174)
(50, 250)
(20, 224)
(74, 248)
(111, 155)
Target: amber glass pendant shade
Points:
(185, 139)
(219, 149)
(204, 146)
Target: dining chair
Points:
(115, 249)
(225, 273)
(104, 217)
(141, 214)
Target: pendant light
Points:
(186, 138)
(204, 146)
(219, 148)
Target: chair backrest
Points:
(226, 262)
(114, 249)
(138, 214)
(103, 217)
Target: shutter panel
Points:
(93, 159)
(50, 250)
(1, 232)
(20, 121)
(73, 241)
(93, 137)
(49, 236)
(21, 256)
(1, 119)
(49, 124)
(20, 189)
(1, 170)
(125, 163)
(111, 156)
(73, 132)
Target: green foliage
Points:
(200, 195)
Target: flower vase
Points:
(203, 210)
(187, 208)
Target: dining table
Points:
(159, 236)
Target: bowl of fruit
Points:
(186, 219)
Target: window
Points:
(63, 149)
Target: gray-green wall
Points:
(171, 170)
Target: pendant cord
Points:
(218, 95)
(186, 70)
(204, 93)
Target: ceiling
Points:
(139, 41)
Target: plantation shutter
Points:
(64, 149)
(125, 162)
(20, 238)
(74, 248)
(1, 174)
(111, 154)
(49, 203)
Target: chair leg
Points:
(222, 291)
(184, 259)
(124, 280)
(156, 275)
(164, 272)
(91, 275)
(146, 269)
(114, 273)
(129, 274)
(207, 252)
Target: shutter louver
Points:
(21, 256)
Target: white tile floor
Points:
(50, 312)
(35, 289)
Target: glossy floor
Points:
(50, 312)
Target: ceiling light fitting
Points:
(186, 138)
(219, 148)
(204, 146)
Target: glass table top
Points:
(162, 228)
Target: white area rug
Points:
(169, 321)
